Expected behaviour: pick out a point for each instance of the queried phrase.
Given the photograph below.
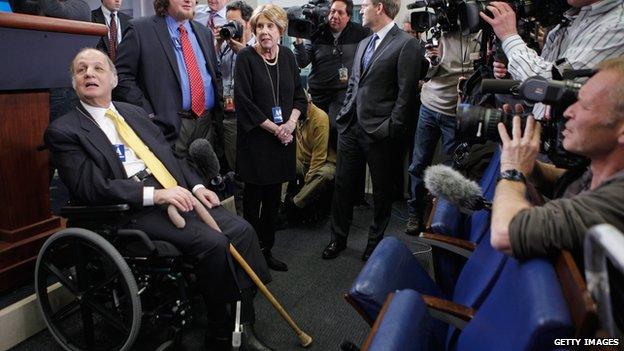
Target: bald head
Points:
(93, 77)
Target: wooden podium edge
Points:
(49, 24)
(13, 236)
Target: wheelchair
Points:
(114, 281)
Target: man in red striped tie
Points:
(167, 65)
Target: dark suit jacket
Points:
(91, 169)
(149, 76)
(97, 16)
(383, 96)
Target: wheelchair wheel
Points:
(104, 311)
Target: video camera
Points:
(453, 15)
(305, 20)
(476, 124)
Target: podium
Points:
(36, 52)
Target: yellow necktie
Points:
(136, 144)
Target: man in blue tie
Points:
(381, 95)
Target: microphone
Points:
(206, 160)
(445, 182)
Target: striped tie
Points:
(112, 35)
(198, 95)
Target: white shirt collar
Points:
(107, 12)
(98, 113)
(384, 31)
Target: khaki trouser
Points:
(318, 182)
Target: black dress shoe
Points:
(249, 341)
(333, 249)
(368, 251)
(274, 263)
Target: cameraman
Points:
(330, 51)
(591, 32)
(594, 129)
(449, 61)
(240, 12)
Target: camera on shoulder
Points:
(305, 20)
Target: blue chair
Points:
(449, 221)
(392, 267)
(526, 310)
(5, 6)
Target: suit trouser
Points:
(219, 279)
(355, 149)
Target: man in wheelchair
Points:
(111, 153)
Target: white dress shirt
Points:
(107, 14)
(132, 164)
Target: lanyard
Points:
(273, 90)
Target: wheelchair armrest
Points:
(128, 233)
(458, 246)
(449, 311)
(70, 211)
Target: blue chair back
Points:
(477, 278)
(479, 222)
(404, 325)
(392, 266)
(5, 6)
(475, 227)
(526, 310)
(446, 219)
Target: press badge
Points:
(228, 104)
(120, 149)
(277, 115)
(343, 74)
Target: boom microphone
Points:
(445, 182)
(206, 159)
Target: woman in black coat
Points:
(269, 101)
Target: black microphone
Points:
(445, 182)
(500, 86)
(206, 160)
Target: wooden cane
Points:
(305, 339)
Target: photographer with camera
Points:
(331, 50)
(591, 32)
(594, 128)
(236, 35)
(449, 62)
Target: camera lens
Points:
(476, 124)
(226, 32)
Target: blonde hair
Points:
(273, 13)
